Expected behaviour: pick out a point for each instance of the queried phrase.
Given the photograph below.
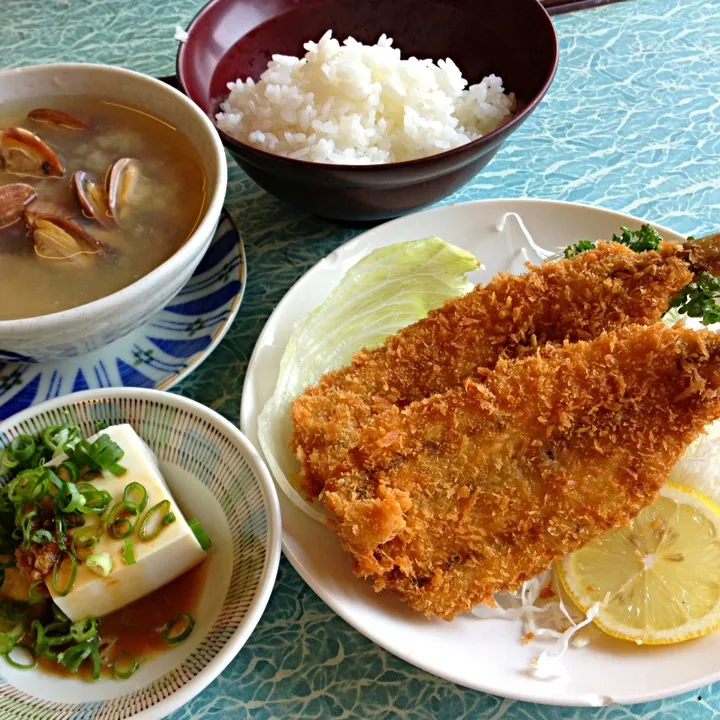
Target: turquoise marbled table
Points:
(632, 123)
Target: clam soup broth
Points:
(123, 193)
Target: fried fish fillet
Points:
(570, 299)
(461, 495)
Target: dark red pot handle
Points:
(172, 81)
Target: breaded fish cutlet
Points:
(570, 299)
(461, 495)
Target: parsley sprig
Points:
(646, 238)
(698, 299)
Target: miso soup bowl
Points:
(85, 328)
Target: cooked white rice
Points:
(361, 104)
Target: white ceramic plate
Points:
(214, 473)
(481, 654)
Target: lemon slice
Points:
(658, 580)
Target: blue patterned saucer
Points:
(163, 351)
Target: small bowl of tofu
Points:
(139, 543)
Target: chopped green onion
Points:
(125, 665)
(84, 629)
(45, 640)
(22, 448)
(71, 470)
(169, 518)
(8, 460)
(27, 485)
(54, 479)
(74, 656)
(9, 639)
(118, 523)
(169, 631)
(200, 534)
(34, 595)
(87, 536)
(147, 532)
(101, 425)
(42, 537)
(95, 660)
(102, 454)
(60, 438)
(96, 501)
(73, 572)
(20, 665)
(135, 488)
(128, 554)
(26, 526)
(100, 563)
(77, 499)
(60, 529)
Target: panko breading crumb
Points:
(567, 300)
(575, 441)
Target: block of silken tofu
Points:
(172, 552)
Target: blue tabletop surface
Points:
(631, 123)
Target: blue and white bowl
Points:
(210, 466)
(88, 327)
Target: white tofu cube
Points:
(158, 561)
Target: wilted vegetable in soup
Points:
(93, 195)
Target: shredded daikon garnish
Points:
(522, 255)
(549, 664)
(542, 618)
(545, 618)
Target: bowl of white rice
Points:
(360, 110)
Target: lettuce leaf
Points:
(388, 289)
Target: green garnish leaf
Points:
(100, 563)
(582, 246)
(200, 534)
(642, 240)
(698, 299)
